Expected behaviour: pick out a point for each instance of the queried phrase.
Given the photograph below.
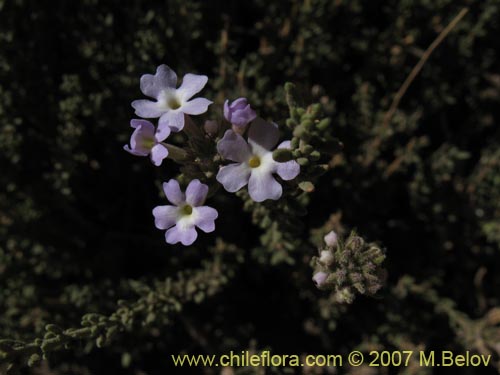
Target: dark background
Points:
(75, 210)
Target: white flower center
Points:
(169, 100)
(174, 103)
(187, 216)
(261, 162)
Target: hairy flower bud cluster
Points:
(348, 267)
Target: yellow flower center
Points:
(148, 143)
(173, 103)
(187, 210)
(254, 162)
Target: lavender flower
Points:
(186, 213)
(144, 141)
(171, 104)
(239, 112)
(254, 162)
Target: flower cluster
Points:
(239, 156)
(348, 267)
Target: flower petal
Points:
(263, 135)
(147, 108)
(239, 112)
(172, 119)
(285, 144)
(243, 117)
(144, 124)
(158, 153)
(196, 106)
(184, 235)
(134, 152)
(262, 186)
(152, 85)
(191, 85)
(233, 176)
(205, 218)
(239, 103)
(165, 216)
(142, 138)
(290, 169)
(162, 133)
(227, 112)
(196, 192)
(233, 147)
(173, 192)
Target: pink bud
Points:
(326, 257)
(331, 239)
(320, 278)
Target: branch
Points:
(157, 304)
(408, 81)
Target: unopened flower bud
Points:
(331, 239)
(282, 155)
(211, 127)
(320, 278)
(326, 257)
(239, 112)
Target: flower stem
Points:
(176, 153)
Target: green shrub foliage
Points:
(88, 285)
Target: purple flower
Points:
(171, 104)
(186, 213)
(320, 278)
(239, 112)
(255, 165)
(144, 141)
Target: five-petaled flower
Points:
(144, 141)
(255, 165)
(186, 213)
(239, 112)
(171, 103)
